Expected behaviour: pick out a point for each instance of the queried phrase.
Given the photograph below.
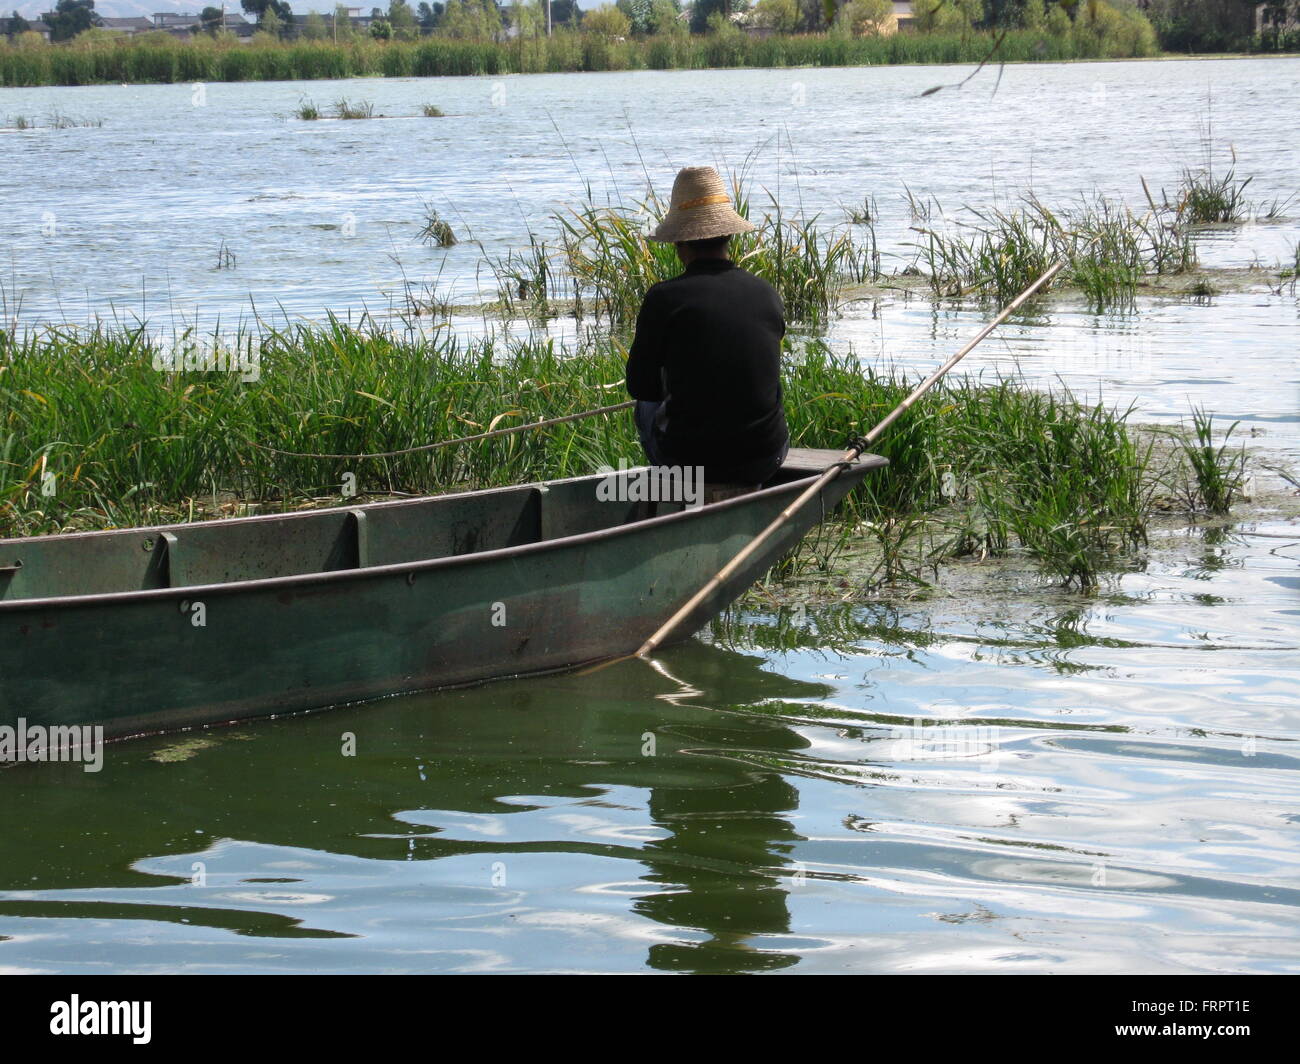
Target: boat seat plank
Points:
(807, 461)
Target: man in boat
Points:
(705, 362)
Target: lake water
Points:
(1001, 777)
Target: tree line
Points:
(1177, 25)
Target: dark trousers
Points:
(756, 472)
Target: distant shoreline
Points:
(350, 75)
(149, 60)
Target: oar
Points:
(848, 458)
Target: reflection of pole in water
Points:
(727, 841)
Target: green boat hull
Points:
(147, 630)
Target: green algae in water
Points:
(183, 750)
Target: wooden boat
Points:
(149, 629)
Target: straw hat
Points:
(700, 209)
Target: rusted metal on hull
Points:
(137, 659)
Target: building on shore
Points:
(10, 27)
(127, 26)
(904, 15)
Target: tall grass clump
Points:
(128, 443)
(58, 120)
(1288, 273)
(1002, 468)
(1217, 470)
(352, 110)
(150, 59)
(1012, 469)
(1207, 199)
(436, 231)
(1057, 478)
(532, 282)
(613, 262)
(997, 252)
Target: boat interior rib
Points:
(325, 540)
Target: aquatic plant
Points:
(436, 231)
(975, 467)
(529, 283)
(307, 110)
(150, 60)
(1276, 209)
(997, 252)
(1288, 274)
(1008, 468)
(347, 109)
(431, 111)
(59, 120)
(863, 213)
(1204, 199)
(128, 442)
(613, 262)
(225, 257)
(1218, 470)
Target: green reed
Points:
(1288, 274)
(997, 252)
(436, 230)
(352, 110)
(1217, 469)
(612, 260)
(92, 435)
(1011, 469)
(531, 283)
(1206, 199)
(128, 442)
(205, 59)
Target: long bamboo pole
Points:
(851, 455)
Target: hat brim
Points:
(700, 223)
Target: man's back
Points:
(708, 343)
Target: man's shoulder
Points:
(673, 289)
(743, 276)
(737, 274)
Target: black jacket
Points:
(708, 343)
